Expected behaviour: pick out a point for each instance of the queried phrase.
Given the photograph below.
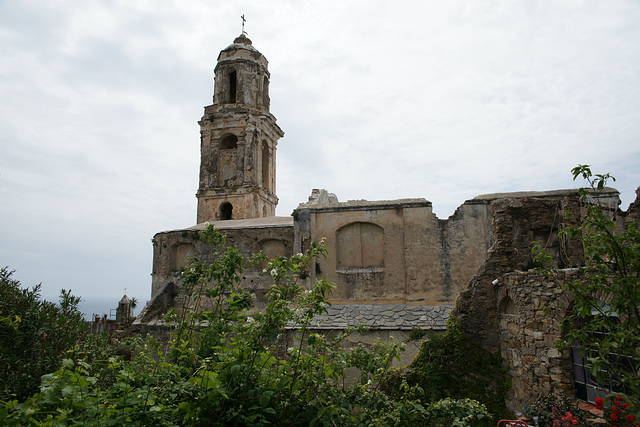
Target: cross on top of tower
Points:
(243, 21)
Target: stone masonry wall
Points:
(531, 307)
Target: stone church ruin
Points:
(396, 266)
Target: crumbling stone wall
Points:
(516, 222)
(504, 308)
(465, 242)
(531, 307)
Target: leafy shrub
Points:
(449, 367)
(34, 335)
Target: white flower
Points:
(274, 272)
(250, 320)
(207, 224)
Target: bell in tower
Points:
(238, 139)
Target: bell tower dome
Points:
(238, 139)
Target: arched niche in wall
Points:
(227, 159)
(508, 306)
(178, 256)
(226, 211)
(273, 248)
(360, 245)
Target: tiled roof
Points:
(388, 316)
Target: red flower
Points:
(614, 417)
(599, 403)
(631, 418)
(574, 422)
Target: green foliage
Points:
(34, 335)
(604, 319)
(226, 364)
(463, 412)
(449, 367)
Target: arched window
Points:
(266, 165)
(233, 85)
(265, 92)
(360, 245)
(229, 142)
(226, 211)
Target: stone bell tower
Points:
(238, 139)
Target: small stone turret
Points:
(124, 312)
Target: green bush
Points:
(447, 366)
(34, 335)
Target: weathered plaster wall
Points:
(375, 231)
(467, 237)
(407, 255)
(385, 253)
(170, 248)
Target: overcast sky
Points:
(446, 100)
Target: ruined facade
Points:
(396, 266)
